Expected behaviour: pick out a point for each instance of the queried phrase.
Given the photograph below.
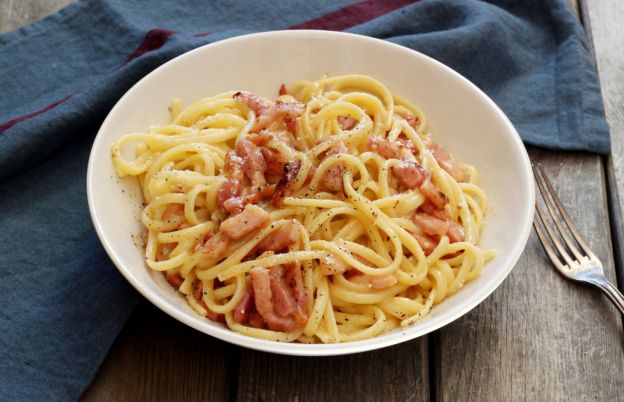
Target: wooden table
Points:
(537, 337)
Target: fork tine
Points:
(553, 238)
(543, 239)
(577, 236)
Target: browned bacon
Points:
(332, 179)
(175, 280)
(261, 282)
(281, 110)
(254, 165)
(412, 120)
(385, 148)
(431, 192)
(346, 123)
(285, 186)
(455, 232)
(216, 247)
(275, 162)
(430, 225)
(426, 243)
(252, 101)
(445, 161)
(409, 173)
(251, 219)
(229, 189)
(283, 302)
(294, 279)
(244, 306)
(331, 265)
(172, 211)
(233, 166)
(282, 238)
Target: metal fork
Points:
(582, 265)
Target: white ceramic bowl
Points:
(460, 116)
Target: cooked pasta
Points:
(327, 215)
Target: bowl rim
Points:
(299, 349)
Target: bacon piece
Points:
(412, 120)
(455, 232)
(263, 137)
(409, 173)
(198, 290)
(267, 191)
(291, 125)
(254, 165)
(385, 148)
(229, 189)
(429, 209)
(285, 186)
(331, 265)
(281, 324)
(275, 162)
(346, 123)
(216, 317)
(290, 110)
(233, 166)
(251, 219)
(294, 279)
(172, 211)
(174, 279)
(261, 282)
(244, 306)
(282, 238)
(427, 243)
(201, 240)
(255, 319)
(431, 192)
(332, 179)
(234, 205)
(278, 111)
(445, 161)
(252, 101)
(216, 247)
(431, 225)
(283, 302)
(283, 90)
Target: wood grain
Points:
(157, 358)
(606, 33)
(540, 337)
(398, 373)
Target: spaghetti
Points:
(328, 215)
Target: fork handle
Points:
(612, 293)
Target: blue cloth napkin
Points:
(62, 303)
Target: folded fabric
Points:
(62, 302)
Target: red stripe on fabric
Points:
(353, 15)
(202, 34)
(7, 125)
(154, 39)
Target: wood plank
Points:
(398, 373)
(157, 358)
(539, 336)
(15, 13)
(603, 20)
